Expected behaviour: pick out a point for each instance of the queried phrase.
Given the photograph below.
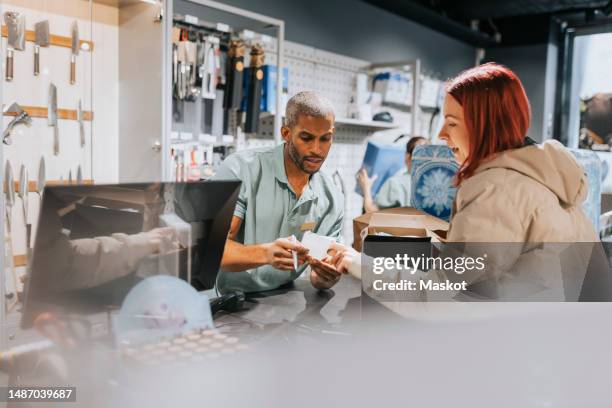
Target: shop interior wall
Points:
(530, 64)
(96, 85)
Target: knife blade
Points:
(10, 193)
(79, 175)
(81, 125)
(15, 24)
(42, 40)
(52, 116)
(22, 192)
(8, 206)
(75, 51)
(40, 182)
(70, 176)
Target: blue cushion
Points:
(593, 167)
(433, 171)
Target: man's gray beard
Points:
(296, 158)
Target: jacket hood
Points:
(550, 164)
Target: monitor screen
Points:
(95, 242)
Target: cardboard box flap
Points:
(407, 221)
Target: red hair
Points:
(495, 109)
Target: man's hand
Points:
(323, 275)
(278, 254)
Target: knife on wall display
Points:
(81, 125)
(40, 181)
(255, 87)
(15, 24)
(9, 186)
(22, 192)
(75, 51)
(52, 116)
(41, 30)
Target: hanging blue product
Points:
(433, 170)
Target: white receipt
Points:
(317, 244)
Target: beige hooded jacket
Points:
(531, 194)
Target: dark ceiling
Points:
(498, 22)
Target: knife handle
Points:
(28, 237)
(72, 69)
(36, 60)
(9, 64)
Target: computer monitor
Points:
(95, 242)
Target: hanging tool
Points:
(255, 86)
(235, 68)
(70, 177)
(79, 175)
(75, 51)
(15, 24)
(21, 118)
(40, 181)
(208, 69)
(9, 186)
(81, 125)
(41, 30)
(22, 192)
(52, 116)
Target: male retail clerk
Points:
(283, 193)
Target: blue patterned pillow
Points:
(592, 165)
(433, 170)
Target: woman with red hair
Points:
(510, 189)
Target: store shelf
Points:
(370, 124)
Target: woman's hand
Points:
(345, 259)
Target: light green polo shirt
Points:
(395, 191)
(270, 210)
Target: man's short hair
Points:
(307, 103)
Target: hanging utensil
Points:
(235, 68)
(209, 68)
(255, 87)
(40, 181)
(79, 175)
(15, 23)
(9, 186)
(70, 176)
(22, 192)
(81, 125)
(75, 51)
(42, 40)
(52, 116)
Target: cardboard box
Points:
(406, 221)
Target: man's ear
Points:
(285, 133)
